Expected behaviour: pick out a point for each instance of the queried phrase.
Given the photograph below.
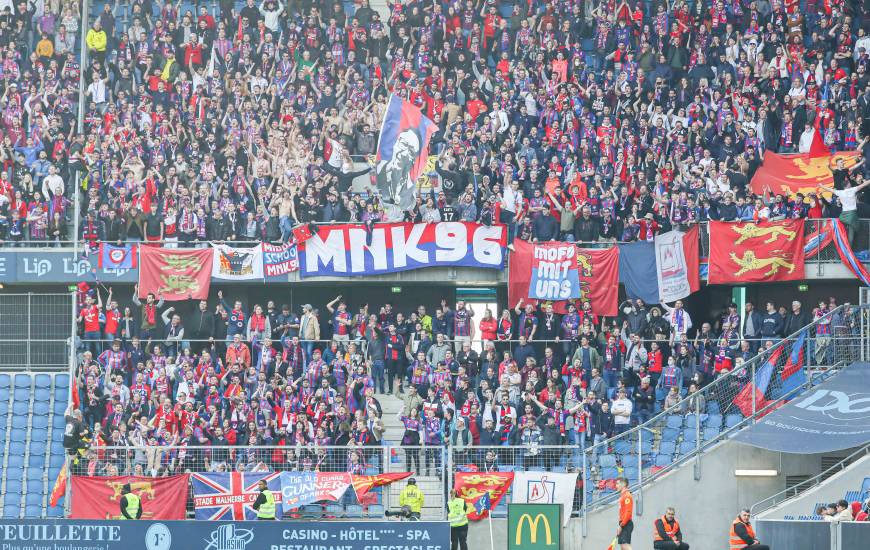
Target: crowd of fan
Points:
(575, 120)
(230, 376)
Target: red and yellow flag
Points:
(174, 274)
(363, 484)
(471, 485)
(756, 252)
(59, 489)
(798, 173)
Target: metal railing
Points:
(690, 433)
(29, 327)
(799, 488)
(429, 464)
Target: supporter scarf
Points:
(150, 314)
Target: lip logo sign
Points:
(533, 529)
(837, 405)
(36, 267)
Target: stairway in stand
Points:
(432, 485)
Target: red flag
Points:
(757, 386)
(59, 488)
(363, 484)
(797, 173)
(471, 485)
(174, 274)
(756, 252)
(818, 147)
(598, 271)
(301, 233)
(239, 33)
(100, 497)
(76, 403)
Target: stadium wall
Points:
(705, 508)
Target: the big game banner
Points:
(352, 250)
(174, 274)
(100, 497)
(233, 263)
(756, 252)
(546, 488)
(597, 271)
(403, 150)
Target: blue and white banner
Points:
(352, 250)
(221, 535)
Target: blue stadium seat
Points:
(61, 381)
(38, 426)
(607, 461)
(674, 421)
(667, 448)
(11, 511)
(865, 485)
(334, 510)
(33, 499)
(312, 510)
(646, 446)
(710, 433)
(21, 395)
(353, 511)
(57, 511)
(609, 473)
(631, 474)
(691, 421)
(13, 489)
(42, 395)
(713, 407)
(375, 511)
(16, 448)
(36, 461)
(33, 511)
(4, 406)
(690, 435)
(687, 447)
(733, 419)
(58, 422)
(61, 395)
(788, 518)
(22, 381)
(42, 381)
(20, 420)
(663, 460)
(55, 461)
(5, 381)
(852, 496)
(670, 434)
(714, 421)
(59, 408)
(20, 409)
(622, 447)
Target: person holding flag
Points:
(457, 515)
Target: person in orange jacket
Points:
(667, 534)
(626, 511)
(742, 535)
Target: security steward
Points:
(667, 534)
(411, 500)
(265, 503)
(743, 535)
(131, 505)
(457, 515)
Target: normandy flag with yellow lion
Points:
(756, 252)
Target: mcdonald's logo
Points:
(534, 526)
(533, 529)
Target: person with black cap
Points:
(410, 501)
(131, 506)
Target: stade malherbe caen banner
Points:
(215, 535)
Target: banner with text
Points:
(554, 272)
(677, 264)
(279, 260)
(351, 250)
(301, 488)
(100, 497)
(29, 534)
(231, 495)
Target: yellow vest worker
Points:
(131, 506)
(457, 515)
(265, 503)
(412, 497)
(96, 38)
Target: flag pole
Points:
(491, 537)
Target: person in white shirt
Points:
(621, 408)
(848, 196)
(52, 184)
(678, 317)
(805, 142)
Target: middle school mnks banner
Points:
(354, 250)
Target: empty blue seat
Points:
(714, 421)
(61, 381)
(36, 461)
(646, 446)
(713, 407)
(687, 447)
(21, 395)
(13, 489)
(58, 422)
(16, 448)
(375, 511)
(667, 448)
(42, 396)
(353, 511)
(710, 433)
(55, 461)
(852, 496)
(22, 381)
(691, 421)
(335, 510)
(674, 421)
(609, 473)
(11, 511)
(622, 447)
(788, 518)
(33, 511)
(42, 381)
(5, 381)
(663, 460)
(20, 409)
(606, 461)
(33, 499)
(690, 435)
(38, 426)
(733, 419)
(19, 422)
(15, 461)
(670, 434)
(57, 511)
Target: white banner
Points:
(546, 488)
(671, 268)
(237, 264)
